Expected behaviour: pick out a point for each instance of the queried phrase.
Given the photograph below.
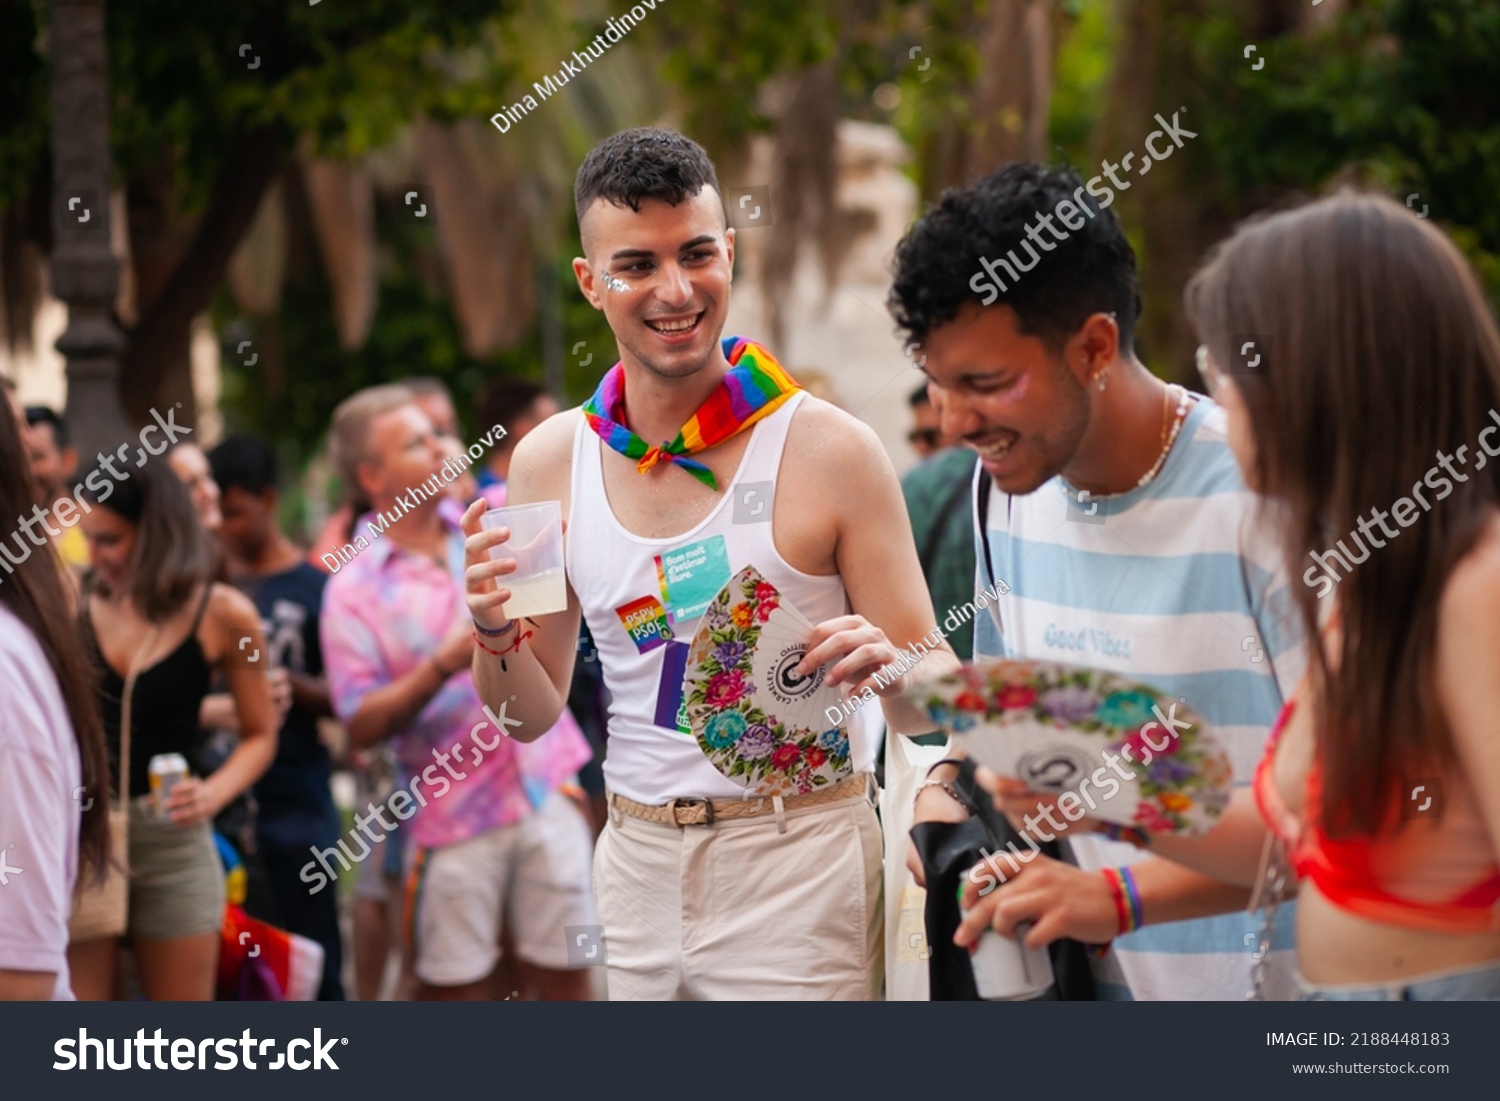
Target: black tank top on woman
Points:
(164, 709)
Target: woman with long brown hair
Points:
(1359, 364)
(153, 611)
(53, 770)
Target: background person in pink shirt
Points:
(495, 842)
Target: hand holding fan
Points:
(1133, 755)
(757, 721)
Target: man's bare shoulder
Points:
(544, 458)
(825, 439)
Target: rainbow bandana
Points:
(754, 387)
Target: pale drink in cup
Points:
(539, 586)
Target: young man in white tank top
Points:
(707, 890)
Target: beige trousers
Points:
(741, 910)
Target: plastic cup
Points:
(539, 586)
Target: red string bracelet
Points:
(515, 646)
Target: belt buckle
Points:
(706, 804)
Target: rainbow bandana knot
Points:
(755, 386)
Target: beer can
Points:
(165, 770)
(1005, 970)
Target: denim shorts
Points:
(1475, 983)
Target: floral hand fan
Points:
(1135, 756)
(758, 722)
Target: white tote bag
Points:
(906, 951)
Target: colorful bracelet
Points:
(1128, 834)
(1117, 892)
(1137, 912)
(1127, 898)
(514, 647)
(501, 633)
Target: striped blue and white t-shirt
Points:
(1178, 584)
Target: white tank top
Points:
(619, 578)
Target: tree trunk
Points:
(1172, 205)
(1010, 98)
(804, 176)
(156, 369)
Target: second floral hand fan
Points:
(1131, 754)
(757, 721)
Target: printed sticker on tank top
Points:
(671, 701)
(645, 621)
(691, 576)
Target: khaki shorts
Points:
(533, 876)
(741, 911)
(176, 877)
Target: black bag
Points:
(948, 850)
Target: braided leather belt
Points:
(705, 812)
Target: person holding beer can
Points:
(158, 627)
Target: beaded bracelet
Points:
(501, 633)
(947, 786)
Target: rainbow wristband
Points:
(1134, 895)
(1117, 892)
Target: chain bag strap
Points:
(1271, 889)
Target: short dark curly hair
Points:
(244, 462)
(942, 257)
(647, 162)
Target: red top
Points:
(1437, 873)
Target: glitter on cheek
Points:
(617, 285)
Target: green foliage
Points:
(932, 97)
(1401, 94)
(25, 111)
(346, 76)
(1085, 58)
(719, 57)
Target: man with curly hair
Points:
(1111, 504)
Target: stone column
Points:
(84, 272)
